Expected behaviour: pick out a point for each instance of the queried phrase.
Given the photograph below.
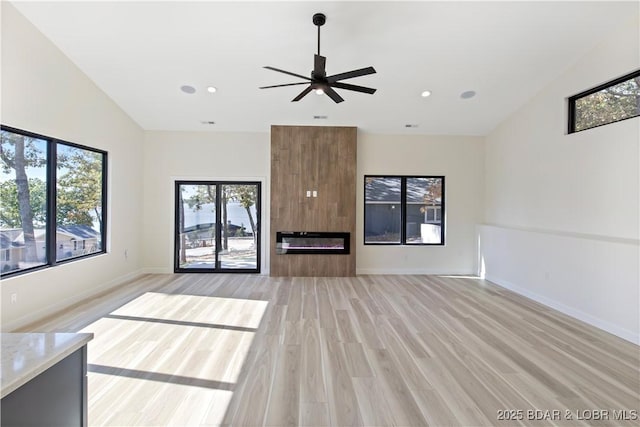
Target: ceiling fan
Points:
(319, 80)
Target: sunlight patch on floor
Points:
(196, 308)
(157, 355)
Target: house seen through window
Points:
(404, 210)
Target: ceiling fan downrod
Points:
(318, 20)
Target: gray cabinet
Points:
(56, 397)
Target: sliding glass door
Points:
(217, 226)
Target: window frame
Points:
(51, 202)
(403, 211)
(571, 102)
(217, 269)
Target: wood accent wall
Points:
(313, 158)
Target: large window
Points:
(404, 210)
(52, 201)
(611, 102)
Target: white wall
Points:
(562, 211)
(460, 159)
(43, 92)
(171, 156)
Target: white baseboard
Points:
(397, 271)
(569, 311)
(67, 302)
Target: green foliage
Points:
(244, 194)
(204, 194)
(609, 105)
(34, 154)
(9, 207)
(79, 188)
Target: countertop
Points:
(26, 355)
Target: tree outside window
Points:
(614, 101)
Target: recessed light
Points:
(468, 94)
(208, 122)
(425, 93)
(411, 125)
(211, 89)
(188, 89)
(320, 117)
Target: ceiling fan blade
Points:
(333, 94)
(319, 63)
(351, 74)
(356, 88)
(287, 72)
(302, 94)
(287, 84)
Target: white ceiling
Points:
(141, 53)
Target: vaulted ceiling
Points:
(141, 53)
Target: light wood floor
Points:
(248, 350)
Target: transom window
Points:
(611, 102)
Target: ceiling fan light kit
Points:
(319, 81)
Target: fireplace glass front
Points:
(307, 242)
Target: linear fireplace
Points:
(312, 242)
